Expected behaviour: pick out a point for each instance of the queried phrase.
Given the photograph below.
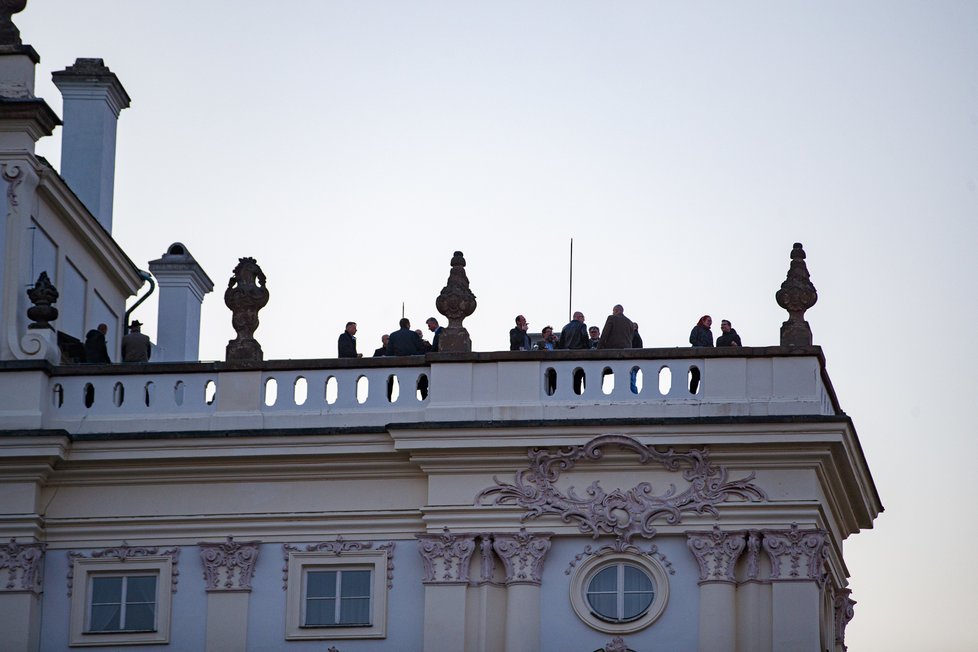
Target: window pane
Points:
(320, 612)
(140, 617)
(355, 584)
(636, 604)
(606, 580)
(321, 584)
(106, 590)
(105, 618)
(636, 580)
(604, 604)
(355, 611)
(141, 589)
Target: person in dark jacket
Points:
(519, 340)
(436, 329)
(617, 332)
(729, 337)
(574, 334)
(701, 335)
(135, 345)
(96, 351)
(405, 341)
(347, 342)
(595, 334)
(636, 338)
(382, 351)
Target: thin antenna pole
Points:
(570, 288)
(402, 310)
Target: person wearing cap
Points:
(135, 345)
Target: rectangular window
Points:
(122, 603)
(331, 596)
(337, 598)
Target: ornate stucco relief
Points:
(125, 553)
(843, 614)
(796, 554)
(22, 564)
(618, 546)
(523, 555)
(446, 557)
(339, 548)
(624, 514)
(220, 560)
(717, 552)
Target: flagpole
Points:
(570, 288)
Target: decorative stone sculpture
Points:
(796, 554)
(245, 296)
(9, 34)
(522, 554)
(456, 302)
(716, 553)
(42, 295)
(843, 614)
(446, 557)
(20, 566)
(220, 560)
(797, 294)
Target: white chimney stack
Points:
(183, 284)
(93, 99)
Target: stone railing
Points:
(650, 383)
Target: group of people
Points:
(136, 346)
(701, 335)
(619, 332)
(403, 341)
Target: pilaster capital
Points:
(843, 614)
(20, 567)
(523, 554)
(446, 557)
(220, 560)
(716, 553)
(796, 554)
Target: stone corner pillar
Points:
(716, 553)
(797, 560)
(522, 554)
(20, 594)
(229, 568)
(446, 578)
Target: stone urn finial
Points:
(42, 295)
(9, 34)
(797, 294)
(456, 302)
(245, 296)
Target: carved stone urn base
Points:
(243, 351)
(454, 340)
(796, 333)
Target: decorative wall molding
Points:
(753, 554)
(220, 561)
(624, 514)
(717, 553)
(338, 548)
(446, 557)
(125, 553)
(22, 565)
(617, 644)
(487, 561)
(796, 554)
(523, 555)
(619, 547)
(844, 612)
(14, 176)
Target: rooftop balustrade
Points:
(372, 393)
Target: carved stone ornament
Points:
(716, 553)
(797, 294)
(624, 514)
(338, 548)
(42, 295)
(446, 557)
(21, 563)
(796, 554)
(617, 644)
(9, 34)
(456, 302)
(487, 561)
(617, 547)
(245, 296)
(221, 560)
(843, 614)
(753, 554)
(14, 176)
(522, 554)
(124, 553)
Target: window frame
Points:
(300, 563)
(86, 570)
(585, 573)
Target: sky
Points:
(351, 147)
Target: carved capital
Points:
(446, 557)
(523, 555)
(20, 567)
(796, 554)
(716, 553)
(843, 614)
(229, 566)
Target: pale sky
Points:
(351, 147)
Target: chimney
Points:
(93, 98)
(183, 284)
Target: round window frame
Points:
(586, 572)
